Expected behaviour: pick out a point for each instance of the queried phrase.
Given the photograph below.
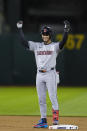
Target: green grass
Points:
(24, 101)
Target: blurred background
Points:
(17, 66)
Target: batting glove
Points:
(67, 26)
(19, 24)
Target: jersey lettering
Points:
(44, 52)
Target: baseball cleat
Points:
(41, 124)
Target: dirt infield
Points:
(24, 123)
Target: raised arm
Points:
(65, 35)
(23, 40)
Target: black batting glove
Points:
(66, 26)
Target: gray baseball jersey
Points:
(45, 54)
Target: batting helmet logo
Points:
(45, 30)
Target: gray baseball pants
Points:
(46, 81)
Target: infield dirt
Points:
(25, 123)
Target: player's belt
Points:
(43, 71)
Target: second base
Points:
(70, 127)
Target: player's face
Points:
(46, 38)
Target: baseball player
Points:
(46, 79)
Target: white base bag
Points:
(70, 127)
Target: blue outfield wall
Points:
(18, 67)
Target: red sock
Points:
(55, 115)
